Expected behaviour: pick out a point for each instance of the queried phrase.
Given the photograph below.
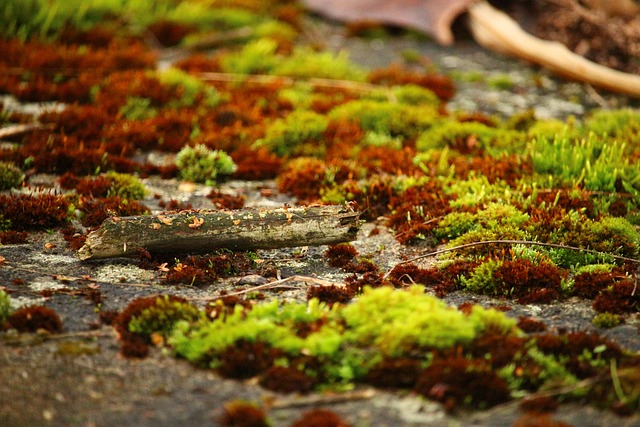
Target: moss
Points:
(11, 176)
(161, 316)
(257, 56)
(201, 164)
(607, 320)
(467, 137)
(189, 89)
(299, 133)
(387, 118)
(34, 318)
(400, 322)
(125, 186)
(5, 306)
(240, 413)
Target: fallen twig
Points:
(206, 230)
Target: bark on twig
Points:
(495, 30)
(204, 231)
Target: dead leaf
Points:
(433, 17)
(163, 267)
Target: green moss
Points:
(596, 163)
(399, 322)
(387, 118)
(190, 89)
(308, 63)
(288, 136)
(414, 95)
(138, 108)
(493, 217)
(623, 124)
(606, 320)
(257, 56)
(475, 191)
(11, 176)
(126, 186)
(5, 306)
(501, 82)
(481, 280)
(468, 137)
(163, 315)
(201, 164)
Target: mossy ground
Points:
(385, 139)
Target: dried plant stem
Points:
(495, 30)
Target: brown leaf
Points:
(433, 17)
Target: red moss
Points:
(169, 33)
(287, 380)
(34, 318)
(225, 201)
(456, 380)
(31, 212)
(539, 404)
(320, 418)
(238, 413)
(97, 210)
(621, 298)
(331, 294)
(256, 164)
(528, 282)
(340, 255)
(95, 187)
(535, 419)
(573, 347)
(394, 373)
(13, 237)
(441, 85)
(499, 349)
(303, 179)
(531, 325)
(187, 275)
(245, 359)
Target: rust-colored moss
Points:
(331, 295)
(535, 419)
(245, 359)
(457, 380)
(287, 380)
(340, 255)
(621, 298)
(97, 210)
(395, 373)
(395, 74)
(13, 237)
(528, 282)
(531, 325)
(34, 212)
(169, 33)
(256, 164)
(34, 318)
(238, 413)
(225, 201)
(320, 418)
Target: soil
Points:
(78, 378)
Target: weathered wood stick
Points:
(206, 230)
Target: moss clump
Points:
(201, 164)
(288, 136)
(468, 138)
(5, 306)
(161, 316)
(393, 119)
(10, 176)
(126, 186)
(189, 89)
(607, 320)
